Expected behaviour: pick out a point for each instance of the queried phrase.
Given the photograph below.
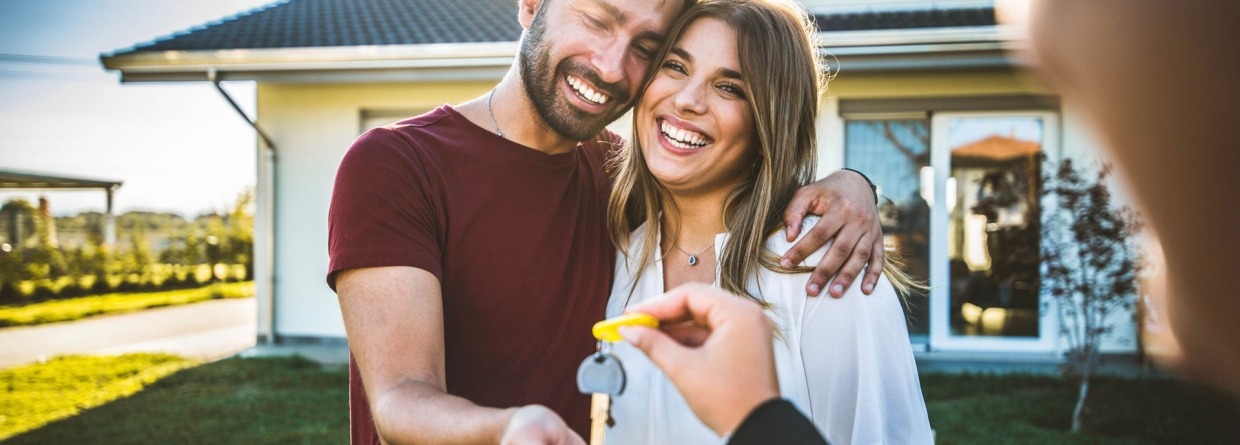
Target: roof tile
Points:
(322, 23)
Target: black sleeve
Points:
(776, 421)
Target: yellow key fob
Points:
(606, 330)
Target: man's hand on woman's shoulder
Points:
(845, 201)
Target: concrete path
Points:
(207, 331)
(329, 355)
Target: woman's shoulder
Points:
(779, 244)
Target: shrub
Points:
(86, 287)
(191, 278)
(174, 281)
(101, 285)
(43, 290)
(130, 283)
(10, 294)
(66, 290)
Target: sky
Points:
(178, 147)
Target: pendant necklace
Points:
(693, 260)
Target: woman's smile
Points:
(681, 135)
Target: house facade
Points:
(927, 99)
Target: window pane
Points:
(894, 154)
(994, 231)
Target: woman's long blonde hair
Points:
(784, 78)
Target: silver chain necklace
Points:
(492, 114)
(693, 260)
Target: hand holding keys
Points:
(602, 375)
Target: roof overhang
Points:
(28, 180)
(934, 49)
(395, 63)
(987, 47)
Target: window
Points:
(961, 206)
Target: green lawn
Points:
(78, 308)
(1020, 409)
(292, 400)
(233, 401)
(40, 393)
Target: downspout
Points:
(264, 222)
(211, 76)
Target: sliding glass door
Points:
(962, 208)
(986, 214)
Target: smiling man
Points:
(469, 247)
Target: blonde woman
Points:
(723, 136)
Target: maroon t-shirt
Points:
(516, 237)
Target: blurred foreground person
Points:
(1157, 80)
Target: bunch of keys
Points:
(602, 376)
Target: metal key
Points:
(602, 376)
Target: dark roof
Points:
(929, 18)
(319, 23)
(322, 23)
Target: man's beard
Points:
(542, 87)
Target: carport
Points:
(29, 180)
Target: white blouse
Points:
(846, 363)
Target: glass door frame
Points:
(941, 338)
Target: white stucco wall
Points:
(312, 126)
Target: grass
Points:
(37, 394)
(78, 308)
(1022, 409)
(293, 400)
(250, 401)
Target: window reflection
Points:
(994, 230)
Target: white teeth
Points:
(682, 138)
(586, 92)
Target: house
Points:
(927, 100)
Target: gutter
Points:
(446, 61)
(982, 47)
(214, 79)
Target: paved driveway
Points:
(208, 330)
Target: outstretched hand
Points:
(715, 347)
(845, 202)
(538, 425)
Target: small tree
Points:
(241, 233)
(97, 260)
(44, 258)
(1091, 262)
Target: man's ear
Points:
(526, 9)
